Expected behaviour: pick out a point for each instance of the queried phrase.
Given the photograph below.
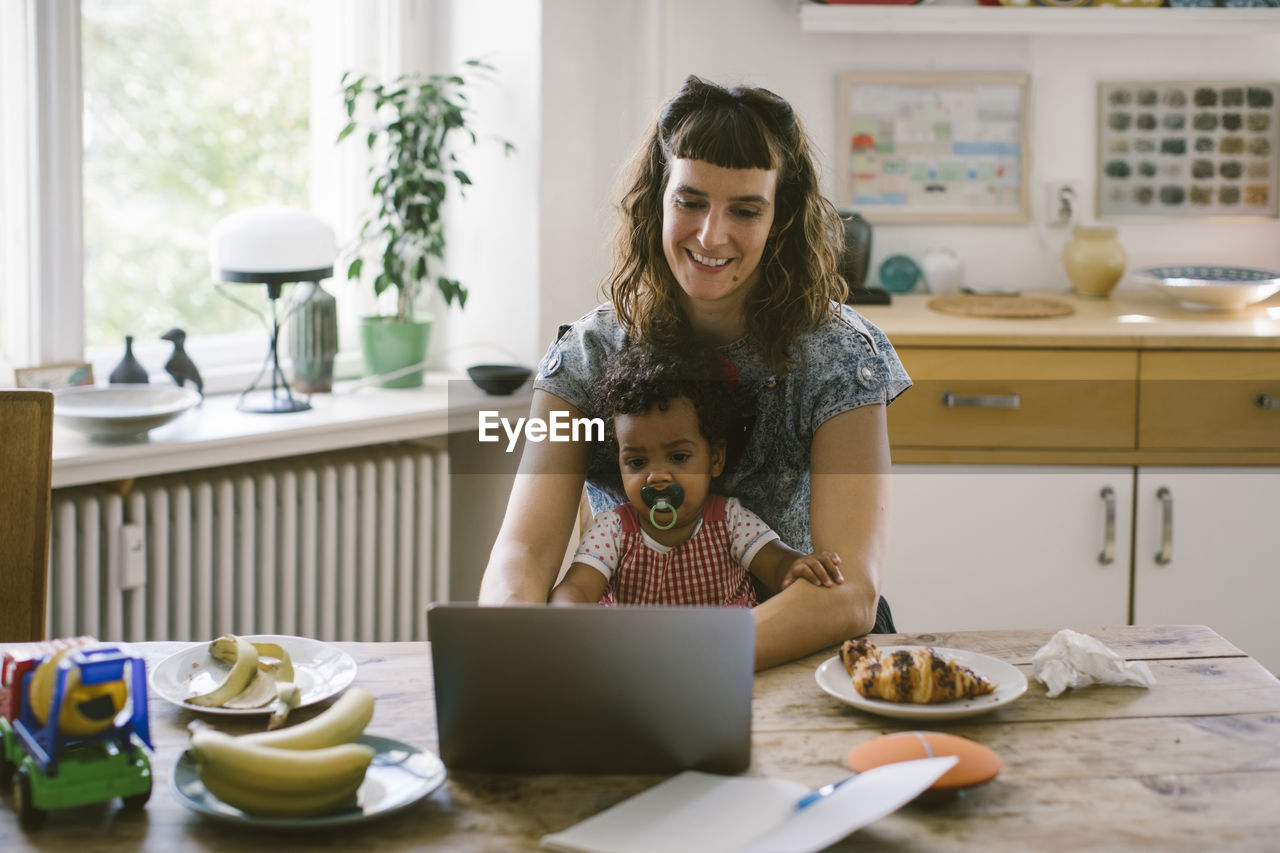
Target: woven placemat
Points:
(968, 305)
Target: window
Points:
(129, 127)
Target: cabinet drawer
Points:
(1211, 399)
(1023, 398)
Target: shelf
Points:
(1037, 21)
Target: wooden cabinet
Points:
(1017, 466)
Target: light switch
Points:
(133, 556)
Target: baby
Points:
(674, 542)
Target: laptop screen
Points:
(593, 689)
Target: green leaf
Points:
(353, 271)
(346, 131)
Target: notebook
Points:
(591, 689)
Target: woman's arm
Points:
(531, 543)
(848, 514)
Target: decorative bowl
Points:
(121, 412)
(499, 379)
(1212, 288)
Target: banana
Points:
(276, 803)
(342, 722)
(272, 658)
(237, 678)
(287, 697)
(285, 771)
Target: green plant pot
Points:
(388, 346)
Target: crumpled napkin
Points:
(1071, 659)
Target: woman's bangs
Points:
(731, 139)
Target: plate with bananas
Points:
(253, 675)
(321, 772)
(919, 682)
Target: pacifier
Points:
(667, 498)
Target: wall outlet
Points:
(1062, 203)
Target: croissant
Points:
(918, 675)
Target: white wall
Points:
(582, 79)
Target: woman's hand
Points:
(821, 568)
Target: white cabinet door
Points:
(977, 547)
(1219, 562)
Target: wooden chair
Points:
(26, 476)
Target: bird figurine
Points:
(180, 366)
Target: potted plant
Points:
(414, 127)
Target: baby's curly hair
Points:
(642, 377)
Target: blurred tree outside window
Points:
(191, 112)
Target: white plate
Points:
(1011, 683)
(121, 412)
(399, 776)
(319, 669)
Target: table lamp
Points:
(272, 245)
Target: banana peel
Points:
(288, 695)
(272, 658)
(238, 677)
(256, 671)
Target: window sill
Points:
(216, 433)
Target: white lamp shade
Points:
(273, 243)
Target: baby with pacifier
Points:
(675, 542)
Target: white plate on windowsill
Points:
(319, 669)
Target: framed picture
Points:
(1182, 149)
(54, 376)
(933, 147)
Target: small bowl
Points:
(499, 379)
(1213, 288)
(121, 412)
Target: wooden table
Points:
(1192, 763)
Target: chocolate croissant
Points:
(918, 675)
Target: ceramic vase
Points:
(129, 371)
(313, 341)
(1094, 260)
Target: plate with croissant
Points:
(919, 682)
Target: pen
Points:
(820, 794)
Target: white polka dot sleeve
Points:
(599, 548)
(747, 532)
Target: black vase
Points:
(129, 370)
(857, 250)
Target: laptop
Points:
(590, 689)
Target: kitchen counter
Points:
(1132, 317)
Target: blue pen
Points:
(820, 794)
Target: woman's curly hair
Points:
(736, 128)
(643, 377)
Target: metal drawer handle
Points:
(1266, 401)
(1108, 555)
(952, 400)
(1165, 555)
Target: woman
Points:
(726, 238)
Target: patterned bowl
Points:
(1212, 288)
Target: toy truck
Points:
(85, 742)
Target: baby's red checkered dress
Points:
(702, 570)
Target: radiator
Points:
(350, 545)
